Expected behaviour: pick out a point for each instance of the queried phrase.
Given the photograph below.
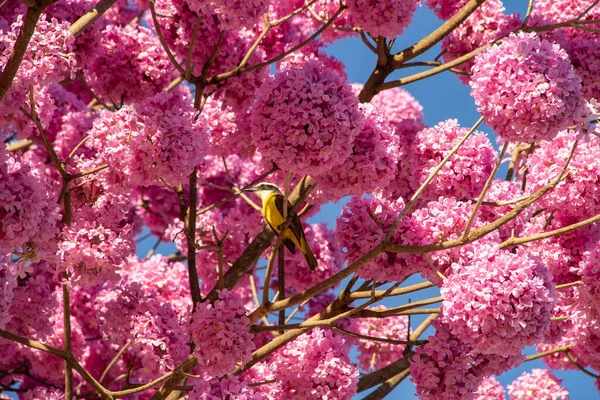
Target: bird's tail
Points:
(310, 258)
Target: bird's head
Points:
(264, 189)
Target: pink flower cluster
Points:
(156, 139)
(220, 335)
(508, 304)
(228, 130)
(231, 14)
(576, 197)
(49, 58)
(229, 387)
(485, 25)
(402, 110)
(370, 166)
(526, 89)
(382, 18)
(8, 283)
(538, 384)
(444, 9)
(463, 176)
(29, 215)
(372, 354)
(306, 119)
(580, 44)
(446, 368)
(363, 225)
(315, 365)
(158, 339)
(129, 66)
(489, 389)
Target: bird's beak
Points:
(252, 189)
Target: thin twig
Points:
(484, 191)
(432, 175)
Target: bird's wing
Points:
(295, 225)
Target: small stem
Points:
(486, 187)
(432, 175)
(114, 360)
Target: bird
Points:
(272, 210)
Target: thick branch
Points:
(90, 17)
(16, 56)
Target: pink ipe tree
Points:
(126, 120)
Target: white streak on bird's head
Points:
(264, 189)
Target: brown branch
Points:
(16, 56)
(395, 292)
(547, 353)
(515, 241)
(114, 360)
(381, 72)
(90, 17)
(387, 386)
(191, 240)
(33, 344)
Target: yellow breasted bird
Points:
(272, 210)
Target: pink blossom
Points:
(142, 64)
(33, 304)
(184, 24)
(221, 335)
(463, 176)
(537, 384)
(382, 18)
(362, 226)
(49, 56)
(444, 9)
(373, 355)
(577, 196)
(489, 389)
(230, 387)
(93, 252)
(43, 393)
(580, 44)
(29, 215)
(160, 278)
(231, 14)
(447, 368)
(48, 367)
(371, 165)
(229, 133)
(306, 119)
(152, 140)
(315, 365)
(402, 110)
(8, 282)
(158, 338)
(526, 89)
(485, 25)
(158, 206)
(508, 304)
